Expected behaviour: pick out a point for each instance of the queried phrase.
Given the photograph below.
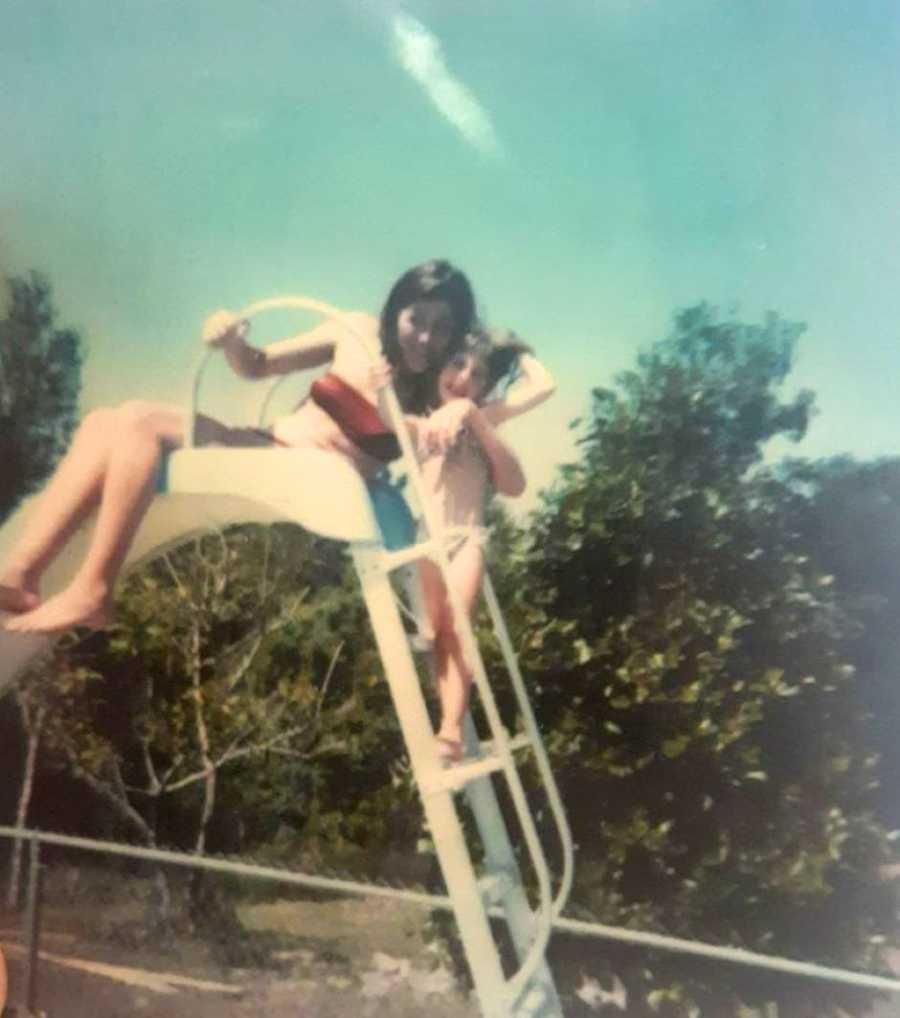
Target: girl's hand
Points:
(381, 374)
(225, 329)
(443, 427)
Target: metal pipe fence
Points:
(341, 885)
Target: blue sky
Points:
(593, 166)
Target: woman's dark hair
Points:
(434, 280)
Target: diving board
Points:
(212, 488)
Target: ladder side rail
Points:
(531, 931)
(544, 915)
(500, 860)
(438, 553)
(554, 798)
(440, 809)
(501, 737)
(390, 407)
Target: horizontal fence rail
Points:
(577, 927)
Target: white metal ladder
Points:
(530, 991)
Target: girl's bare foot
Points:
(78, 605)
(449, 750)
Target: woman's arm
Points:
(533, 387)
(306, 350)
(309, 349)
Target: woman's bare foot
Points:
(15, 599)
(18, 591)
(78, 605)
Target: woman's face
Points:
(423, 332)
(465, 377)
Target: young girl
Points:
(463, 460)
(114, 459)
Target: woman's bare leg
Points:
(118, 469)
(72, 492)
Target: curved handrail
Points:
(533, 732)
(263, 414)
(545, 912)
(250, 311)
(537, 743)
(190, 437)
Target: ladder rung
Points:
(392, 560)
(531, 1003)
(458, 775)
(428, 548)
(420, 644)
(521, 741)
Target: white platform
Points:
(211, 488)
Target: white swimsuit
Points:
(459, 484)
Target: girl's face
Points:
(465, 377)
(423, 332)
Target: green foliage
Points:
(40, 377)
(686, 652)
(849, 514)
(241, 703)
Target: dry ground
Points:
(324, 958)
(348, 957)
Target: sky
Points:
(593, 165)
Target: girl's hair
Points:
(433, 280)
(499, 351)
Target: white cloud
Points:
(419, 53)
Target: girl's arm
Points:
(506, 470)
(414, 426)
(533, 387)
(309, 349)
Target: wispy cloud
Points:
(420, 55)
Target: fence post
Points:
(32, 925)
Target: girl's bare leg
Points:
(453, 676)
(117, 469)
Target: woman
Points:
(114, 459)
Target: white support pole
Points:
(440, 809)
(501, 859)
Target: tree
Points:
(849, 515)
(33, 713)
(40, 378)
(237, 707)
(686, 651)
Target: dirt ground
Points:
(353, 957)
(300, 958)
